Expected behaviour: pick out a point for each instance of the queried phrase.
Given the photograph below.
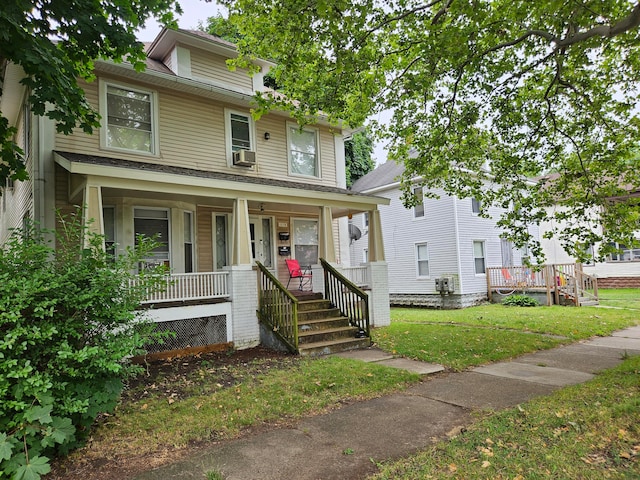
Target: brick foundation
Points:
(619, 282)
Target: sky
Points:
(196, 11)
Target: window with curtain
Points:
(422, 260)
(479, 257)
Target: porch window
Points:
(152, 222)
(239, 129)
(109, 219)
(422, 260)
(305, 241)
(303, 151)
(418, 210)
(188, 242)
(129, 117)
(479, 257)
(365, 255)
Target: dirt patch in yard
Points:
(172, 378)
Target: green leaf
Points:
(62, 429)
(6, 447)
(33, 470)
(39, 414)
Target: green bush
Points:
(520, 300)
(67, 326)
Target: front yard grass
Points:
(215, 402)
(588, 431)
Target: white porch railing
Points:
(192, 286)
(358, 275)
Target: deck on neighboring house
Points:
(564, 283)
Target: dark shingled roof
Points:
(190, 172)
(385, 174)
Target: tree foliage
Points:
(68, 323)
(357, 152)
(55, 43)
(538, 89)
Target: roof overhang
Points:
(138, 176)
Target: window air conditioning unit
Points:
(244, 158)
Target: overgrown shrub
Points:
(520, 300)
(67, 326)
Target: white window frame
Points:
(228, 137)
(476, 206)
(294, 240)
(633, 254)
(365, 255)
(169, 240)
(154, 144)
(316, 132)
(365, 221)
(115, 228)
(484, 257)
(418, 191)
(214, 239)
(416, 250)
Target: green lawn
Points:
(206, 406)
(588, 431)
(621, 297)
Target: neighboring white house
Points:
(617, 271)
(442, 238)
(180, 155)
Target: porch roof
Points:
(118, 173)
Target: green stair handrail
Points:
(277, 308)
(346, 296)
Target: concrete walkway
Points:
(345, 443)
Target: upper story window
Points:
(475, 205)
(239, 128)
(303, 151)
(130, 115)
(418, 210)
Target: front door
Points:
(261, 240)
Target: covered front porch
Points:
(213, 230)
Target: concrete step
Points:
(333, 346)
(326, 334)
(322, 323)
(318, 304)
(317, 314)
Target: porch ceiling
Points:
(123, 177)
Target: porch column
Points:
(241, 237)
(92, 219)
(378, 274)
(327, 249)
(376, 244)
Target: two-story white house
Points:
(437, 252)
(180, 155)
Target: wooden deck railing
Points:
(560, 279)
(277, 308)
(190, 286)
(345, 295)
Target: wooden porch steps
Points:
(322, 330)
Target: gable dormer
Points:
(202, 57)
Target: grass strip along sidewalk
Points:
(587, 431)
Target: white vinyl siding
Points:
(422, 260)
